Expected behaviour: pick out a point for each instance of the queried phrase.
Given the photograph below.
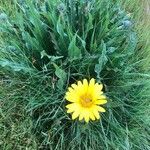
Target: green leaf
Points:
(59, 28)
(31, 42)
(73, 51)
(101, 61)
(15, 66)
(52, 58)
(132, 43)
(89, 24)
(62, 75)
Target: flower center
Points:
(86, 101)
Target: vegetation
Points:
(48, 45)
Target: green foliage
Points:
(50, 44)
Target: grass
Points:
(40, 57)
(15, 124)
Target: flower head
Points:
(85, 99)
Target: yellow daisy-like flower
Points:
(85, 99)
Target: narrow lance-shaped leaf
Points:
(62, 75)
(101, 61)
(73, 51)
(15, 66)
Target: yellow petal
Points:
(101, 109)
(92, 82)
(100, 102)
(98, 87)
(96, 114)
(85, 83)
(101, 97)
(70, 111)
(73, 106)
(75, 115)
(92, 116)
(81, 116)
(70, 105)
(74, 86)
(97, 91)
(91, 87)
(94, 109)
(83, 113)
(80, 91)
(72, 97)
(97, 96)
(87, 118)
(79, 83)
(86, 114)
(70, 89)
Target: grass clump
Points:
(50, 44)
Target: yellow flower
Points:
(85, 99)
